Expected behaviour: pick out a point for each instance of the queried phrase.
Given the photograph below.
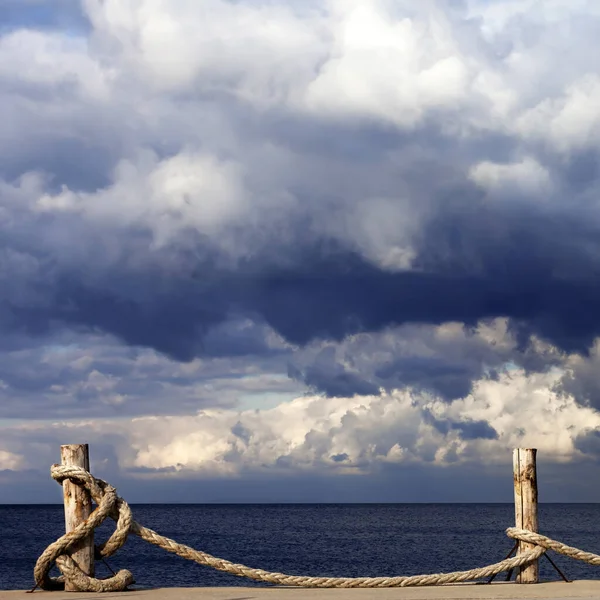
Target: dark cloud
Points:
(91, 376)
(420, 357)
(408, 484)
(340, 457)
(327, 375)
(70, 162)
(474, 430)
(581, 381)
(405, 483)
(534, 266)
(434, 374)
(503, 273)
(468, 429)
(588, 442)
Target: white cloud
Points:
(526, 177)
(262, 52)
(389, 68)
(158, 76)
(349, 435)
(189, 190)
(497, 14)
(568, 122)
(53, 61)
(396, 64)
(10, 461)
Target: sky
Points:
(300, 251)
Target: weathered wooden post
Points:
(78, 507)
(526, 505)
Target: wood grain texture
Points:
(78, 506)
(526, 505)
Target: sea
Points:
(305, 539)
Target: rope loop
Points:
(109, 504)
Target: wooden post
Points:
(78, 507)
(526, 505)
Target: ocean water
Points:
(306, 539)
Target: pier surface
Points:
(583, 590)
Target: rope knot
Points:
(108, 504)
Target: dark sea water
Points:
(335, 539)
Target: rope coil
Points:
(109, 504)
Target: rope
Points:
(549, 544)
(109, 504)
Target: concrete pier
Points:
(583, 590)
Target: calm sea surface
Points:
(335, 539)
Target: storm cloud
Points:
(235, 204)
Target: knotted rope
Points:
(111, 505)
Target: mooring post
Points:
(526, 506)
(78, 507)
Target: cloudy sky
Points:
(316, 250)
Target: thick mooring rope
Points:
(111, 505)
